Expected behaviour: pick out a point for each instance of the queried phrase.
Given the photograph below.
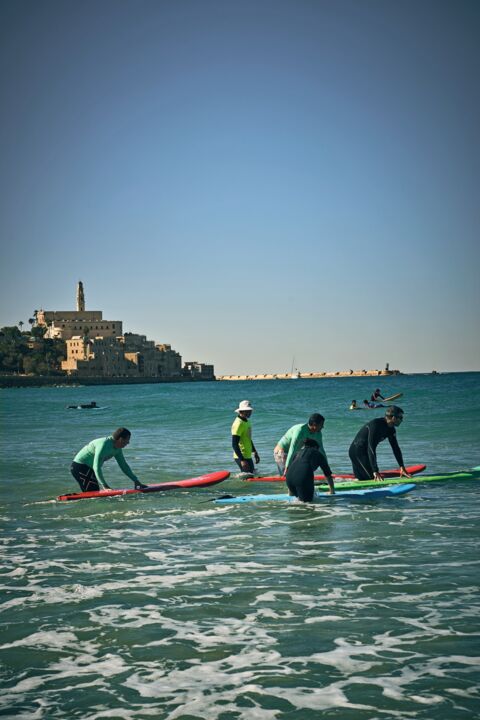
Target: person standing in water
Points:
(300, 472)
(363, 450)
(242, 443)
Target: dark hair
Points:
(393, 411)
(121, 433)
(316, 419)
(310, 442)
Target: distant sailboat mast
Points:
(294, 374)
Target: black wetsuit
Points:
(363, 450)
(85, 477)
(300, 472)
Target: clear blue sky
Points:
(250, 181)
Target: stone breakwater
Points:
(306, 376)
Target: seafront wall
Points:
(18, 381)
(303, 376)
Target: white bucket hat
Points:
(244, 406)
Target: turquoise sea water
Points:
(169, 606)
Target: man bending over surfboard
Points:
(363, 450)
(292, 441)
(87, 464)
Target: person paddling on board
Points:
(292, 441)
(363, 450)
(376, 396)
(300, 472)
(372, 405)
(242, 442)
(87, 464)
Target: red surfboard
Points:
(201, 481)
(411, 469)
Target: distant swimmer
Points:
(87, 464)
(363, 450)
(354, 405)
(300, 473)
(242, 443)
(87, 406)
(377, 396)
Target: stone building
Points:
(110, 357)
(97, 347)
(65, 324)
(101, 357)
(169, 361)
(199, 370)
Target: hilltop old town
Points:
(82, 345)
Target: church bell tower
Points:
(80, 298)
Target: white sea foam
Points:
(51, 595)
(87, 664)
(119, 616)
(50, 639)
(342, 658)
(16, 572)
(228, 632)
(324, 618)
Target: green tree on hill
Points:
(29, 352)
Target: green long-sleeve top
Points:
(293, 439)
(99, 451)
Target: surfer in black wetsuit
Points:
(363, 450)
(87, 406)
(300, 477)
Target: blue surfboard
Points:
(366, 494)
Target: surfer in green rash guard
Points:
(291, 442)
(87, 464)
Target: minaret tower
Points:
(80, 298)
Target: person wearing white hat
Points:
(242, 442)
